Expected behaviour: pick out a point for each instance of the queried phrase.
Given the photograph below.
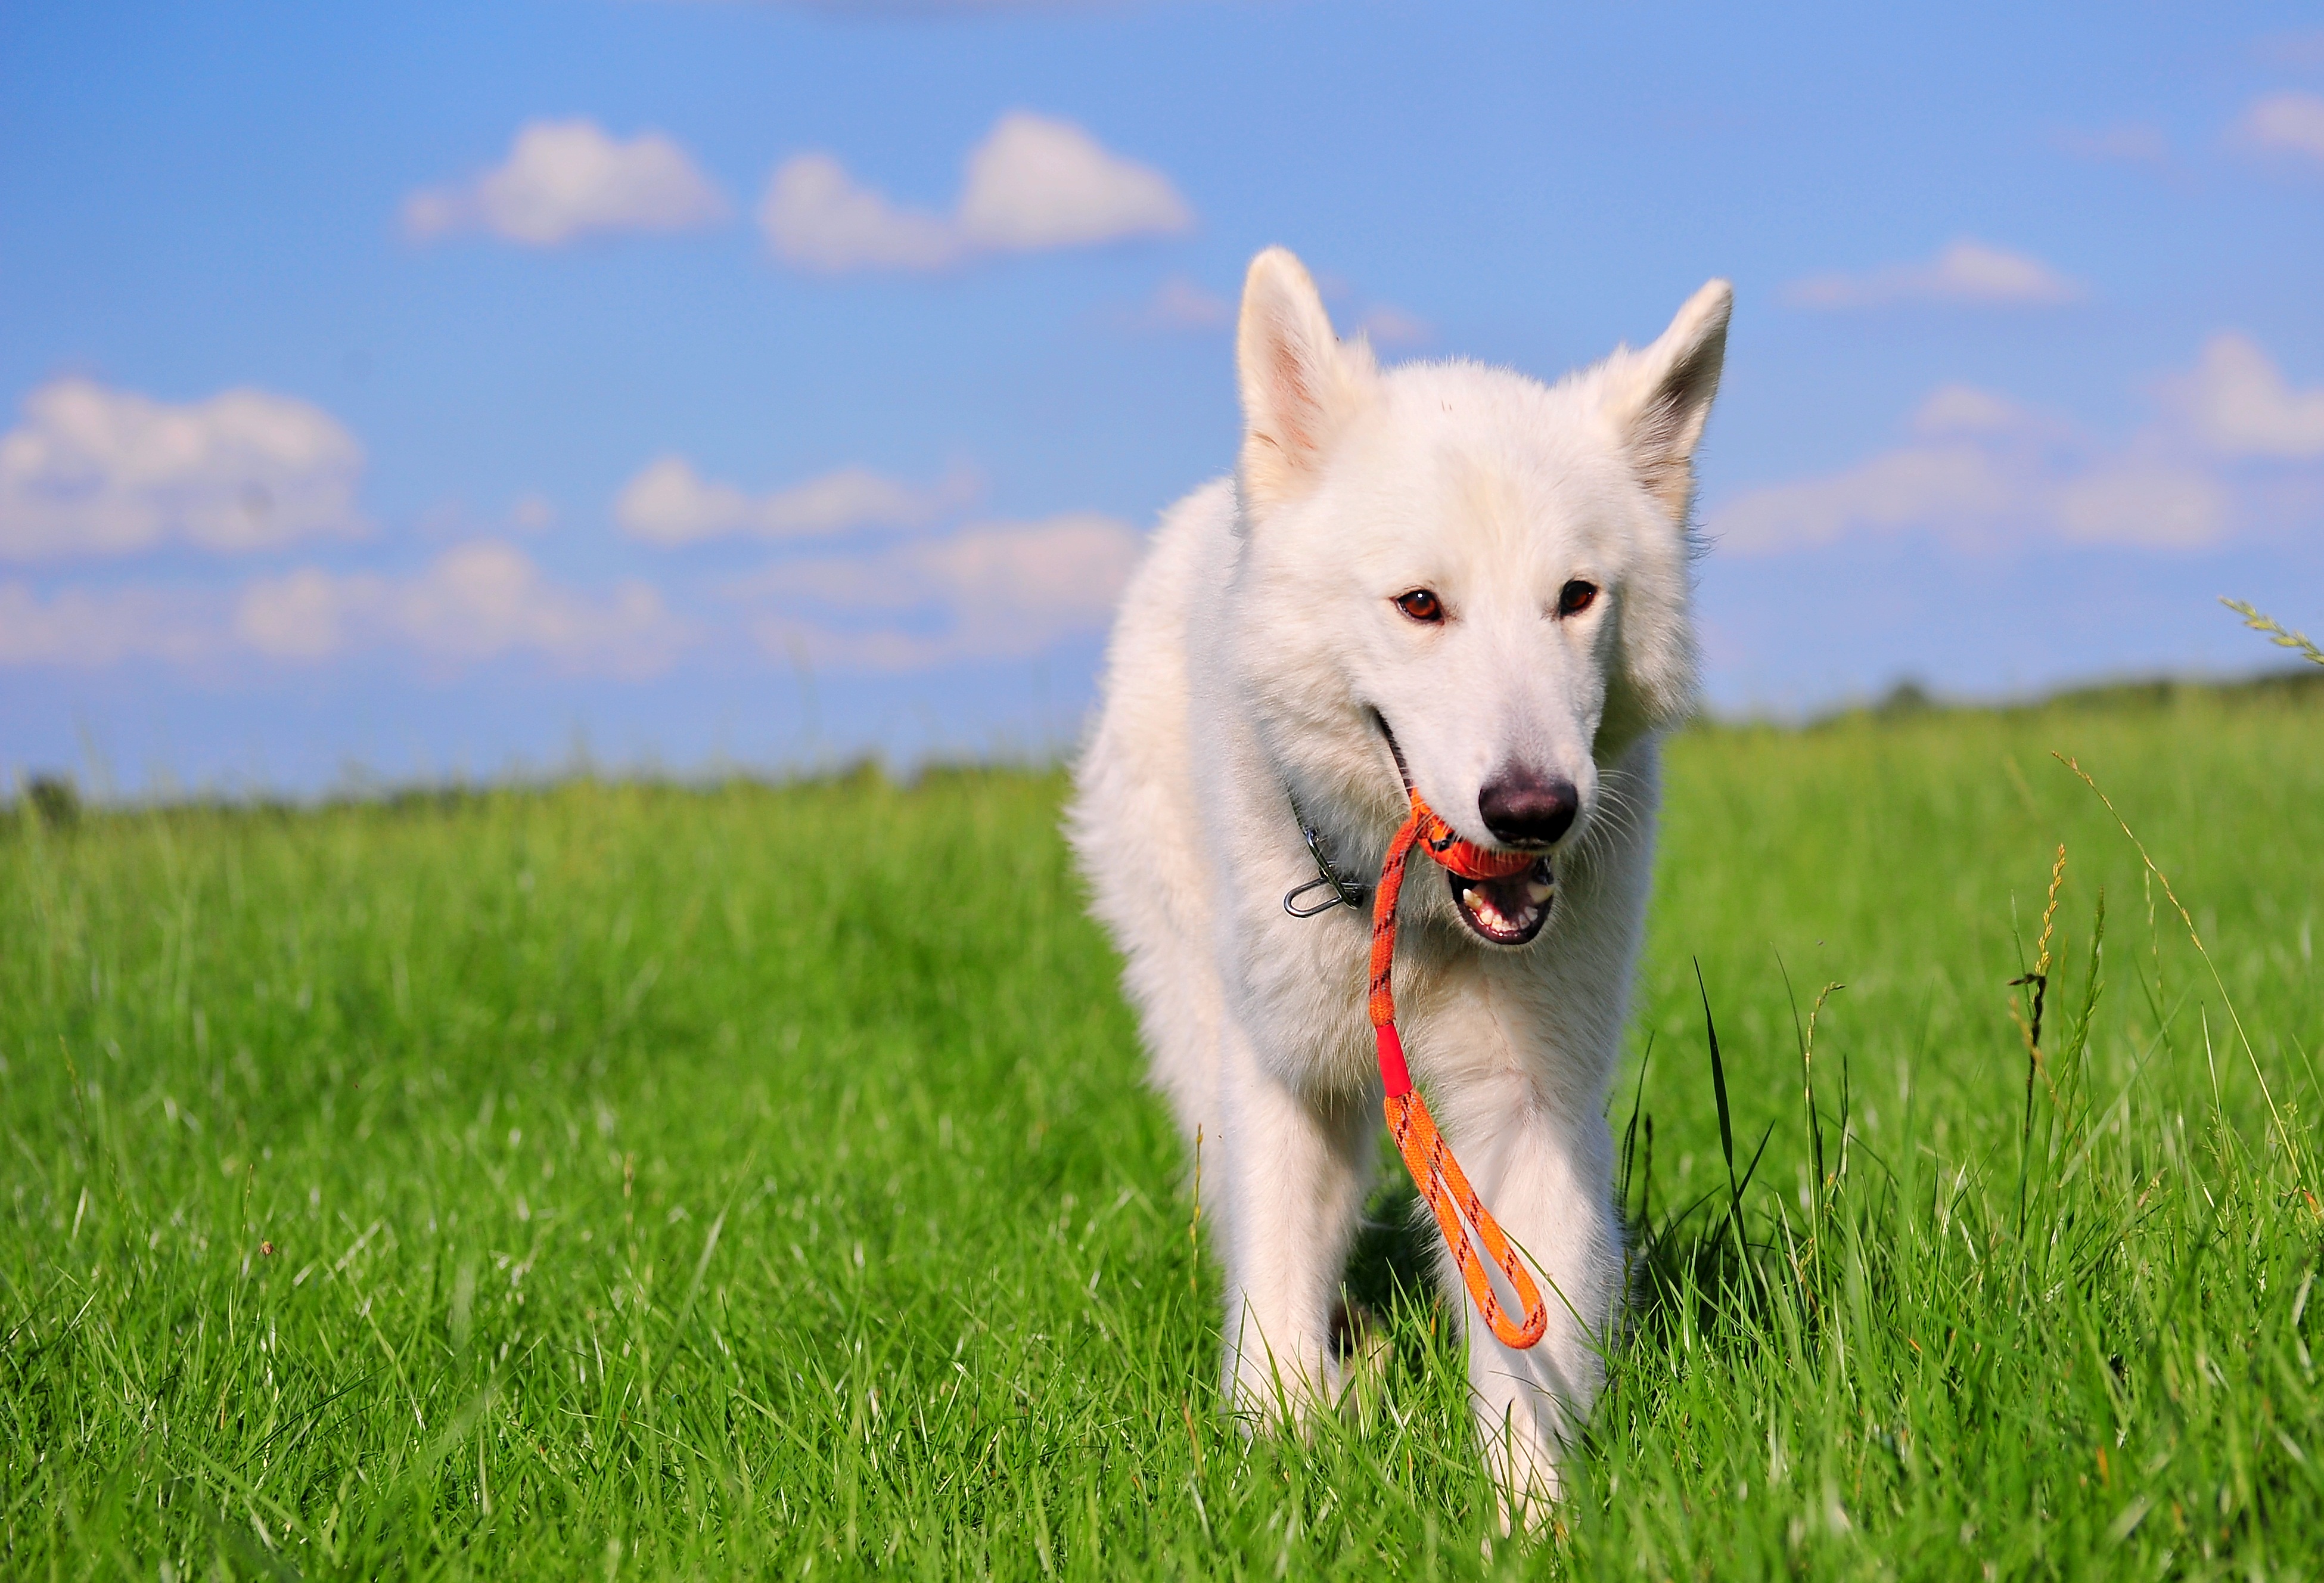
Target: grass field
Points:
(620, 1181)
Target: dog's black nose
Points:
(1524, 807)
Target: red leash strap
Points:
(1425, 1154)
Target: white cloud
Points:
(1386, 325)
(85, 628)
(2139, 142)
(887, 8)
(2153, 502)
(669, 504)
(1981, 473)
(476, 601)
(532, 512)
(1034, 183)
(1963, 409)
(2285, 122)
(2303, 48)
(2240, 404)
(568, 179)
(1180, 303)
(1965, 271)
(529, 516)
(994, 590)
(92, 470)
(816, 217)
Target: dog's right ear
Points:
(1299, 385)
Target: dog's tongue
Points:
(1509, 910)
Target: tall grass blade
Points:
(1719, 1092)
(2299, 641)
(1630, 1130)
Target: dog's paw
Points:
(1360, 1345)
(1526, 1483)
(1270, 1392)
(1362, 1352)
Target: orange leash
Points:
(1433, 1170)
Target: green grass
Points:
(619, 1182)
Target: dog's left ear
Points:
(1662, 395)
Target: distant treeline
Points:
(2297, 686)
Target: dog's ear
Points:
(1661, 396)
(1299, 385)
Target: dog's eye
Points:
(1576, 597)
(1422, 604)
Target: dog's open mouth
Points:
(1508, 911)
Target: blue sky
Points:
(433, 389)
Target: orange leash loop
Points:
(1426, 1156)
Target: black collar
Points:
(1327, 878)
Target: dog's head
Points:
(1455, 568)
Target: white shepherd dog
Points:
(1458, 578)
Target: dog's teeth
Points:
(1538, 891)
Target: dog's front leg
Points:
(1547, 1177)
(1298, 1168)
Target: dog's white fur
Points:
(1255, 645)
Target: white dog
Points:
(1441, 576)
